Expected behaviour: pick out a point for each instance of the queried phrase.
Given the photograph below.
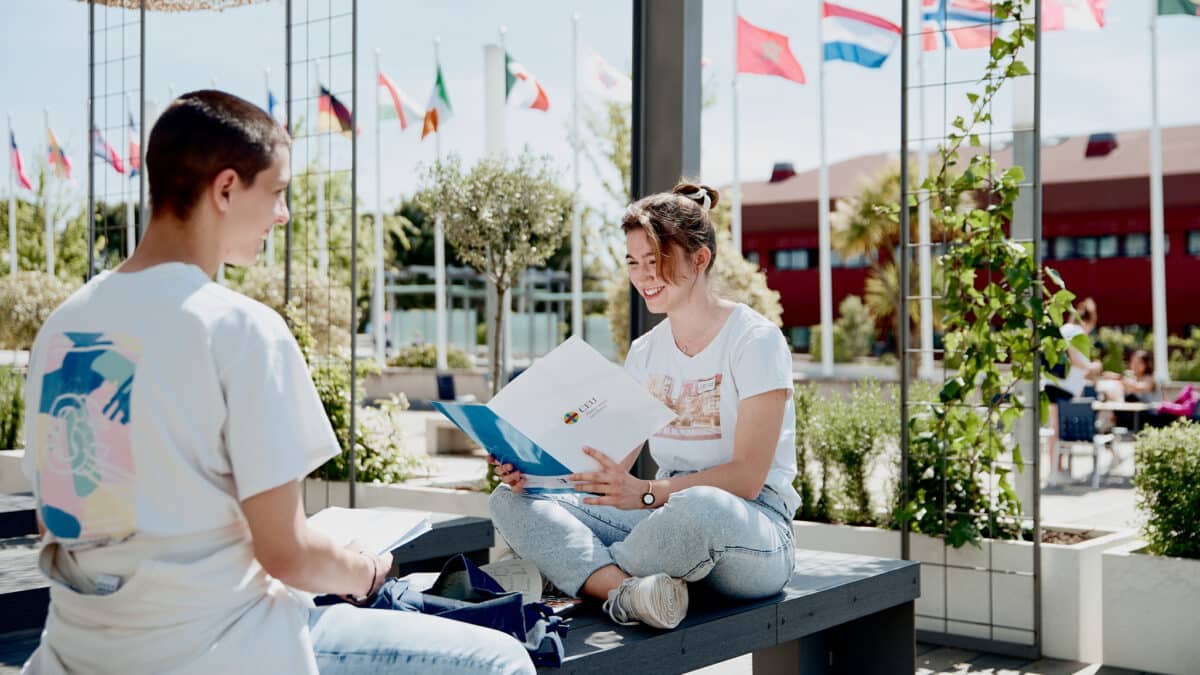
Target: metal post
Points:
(1034, 433)
(1158, 274)
(736, 212)
(825, 263)
(377, 331)
(905, 544)
(576, 217)
(91, 199)
(287, 94)
(353, 235)
(142, 219)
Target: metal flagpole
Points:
(142, 117)
(377, 331)
(322, 236)
(129, 231)
(1158, 275)
(46, 209)
(12, 205)
(737, 181)
(506, 344)
(826, 288)
(576, 225)
(269, 254)
(924, 250)
(439, 234)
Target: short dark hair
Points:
(198, 136)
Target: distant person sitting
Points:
(1070, 383)
(1135, 385)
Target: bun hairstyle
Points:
(675, 220)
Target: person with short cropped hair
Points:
(718, 516)
(169, 423)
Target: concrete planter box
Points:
(1071, 585)
(12, 479)
(421, 383)
(1150, 611)
(320, 493)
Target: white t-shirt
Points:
(749, 356)
(156, 402)
(1076, 377)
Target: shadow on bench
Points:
(839, 614)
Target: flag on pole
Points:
(857, 37)
(103, 150)
(1073, 14)
(764, 52)
(402, 108)
(963, 24)
(272, 102)
(135, 149)
(516, 76)
(14, 156)
(602, 79)
(437, 110)
(1185, 7)
(57, 158)
(333, 115)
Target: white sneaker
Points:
(659, 601)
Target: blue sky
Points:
(1092, 81)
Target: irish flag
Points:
(14, 157)
(857, 37)
(530, 93)
(402, 107)
(437, 110)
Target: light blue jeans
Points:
(349, 639)
(739, 548)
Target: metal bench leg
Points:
(1097, 448)
(883, 643)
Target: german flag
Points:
(333, 115)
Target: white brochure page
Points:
(574, 397)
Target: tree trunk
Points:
(496, 365)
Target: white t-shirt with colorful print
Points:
(749, 356)
(157, 401)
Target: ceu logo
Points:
(571, 417)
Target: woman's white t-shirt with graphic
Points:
(748, 357)
(156, 402)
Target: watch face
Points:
(648, 499)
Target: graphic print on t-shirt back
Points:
(85, 460)
(697, 406)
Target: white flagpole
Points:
(576, 225)
(322, 235)
(1158, 275)
(502, 144)
(129, 232)
(823, 235)
(46, 209)
(377, 328)
(12, 204)
(439, 241)
(737, 181)
(270, 251)
(924, 251)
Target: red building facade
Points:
(1095, 227)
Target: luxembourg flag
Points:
(857, 37)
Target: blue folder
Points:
(503, 441)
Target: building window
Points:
(1087, 247)
(853, 262)
(1064, 248)
(1194, 243)
(800, 337)
(752, 257)
(1109, 246)
(792, 259)
(1137, 245)
(1044, 249)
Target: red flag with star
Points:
(764, 52)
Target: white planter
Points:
(12, 479)
(1151, 617)
(1071, 587)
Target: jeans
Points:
(349, 639)
(739, 548)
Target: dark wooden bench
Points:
(839, 614)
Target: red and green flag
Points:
(437, 110)
(528, 91)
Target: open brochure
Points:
(567, 399)
(378, 529)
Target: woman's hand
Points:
(613, 482)
(508, 475)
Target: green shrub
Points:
(323, 306)
(380, 456)
(425, 356)
(853, 332)
(1113, 345)
(12, 408)
(1184, 362)
(26, 301)
(806, 403)
(1168, 488)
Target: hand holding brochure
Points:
(567, 399)
(378, 530)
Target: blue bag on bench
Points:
(463, 592)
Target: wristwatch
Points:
(648, 496)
